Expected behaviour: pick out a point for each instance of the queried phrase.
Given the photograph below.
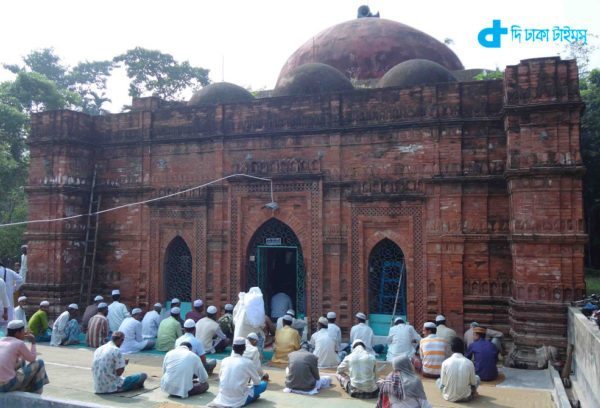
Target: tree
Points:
(154, 72)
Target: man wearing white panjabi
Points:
(132, 329)
(13, 282)
(66, 329)
(117, 312)
(150, 323)
(20, 311)
(23, 270)
(4, 303)
(180, 366)
(402, 340)
(324, 346)
(362, 332)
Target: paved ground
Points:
(70, 378)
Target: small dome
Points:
(313, 79)
(415, 72)
(220, 92)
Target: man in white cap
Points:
(189, 336)
(402, 340)
(20, 310)
(433, 351)
(360, 331)
(38, 323)
(175, 302)
(66, 329)
(444, 331)
(180, 366)
(334, 331)
(150, 322)
(324, 346)
(253, 353)
(117, 311)
(97, 333)
(169, 331)
(357, 372)
(234, 377)
(226, 321)
(23, 268)
(302, 372)
(13, 282)
(14, 374)
(90, 310)
(296, 323)
(209, 332)
(287, 340)
(197, 311)
(132, 329)
(280, 302)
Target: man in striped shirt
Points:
(433, 351)
(97, 333)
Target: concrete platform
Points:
(69, 371)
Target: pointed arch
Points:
(177, 274)
(386, 265)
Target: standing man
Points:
(90, 310)
(444, 331)
(97, 333)
(183, 373)
(324, 346)
(360, 331)
(484, 355)
(38, 324)
(458, 381)
(357, 372)
(169, 331)
(402, 340)
(20, 311)
(66, 329)
(433, 351)
(117, 311)
(209, 332)
(23, 268)
(150, 323)
(234, 377)
(4, 302)
(226, 322)
(189, 336)
(334, 331)
(280, 302)
(286, 341)
(302, 372)
(108, 367)
(132, 329)
(14, 374)
(197, 312)
(13, 282)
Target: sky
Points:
(247, 42)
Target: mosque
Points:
(385, 180)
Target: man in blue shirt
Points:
(484, 354)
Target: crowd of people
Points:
(457, 365)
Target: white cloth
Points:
(58, 329)
(446, 333)
(361, 368)
(323, 382)
(253, 354)
(20, 315)
(363, 332)
(280, 304)
(23, 270)
(457, 377)
(243, 326)
(336, 334)
(117, 312)
(235, 374)
(409, 402)
(197, 346)
(13, 282)
(206, 330)
(134, 342)
(4, 302)
(402, 340)
(324, 349)
(150, 324)
(179, 367)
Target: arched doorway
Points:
(276, 264)
(386, 265)
(178, 271)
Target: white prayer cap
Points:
(116, 292)
(175, 300)
(291, 312)
(288, 318)
(136, 311)
(440, 318)
(211, 310)
(15, 324)
(73, 306)
(331, 315)
(197, 302)
(22, 299)
(102, 305)
(157, 304)
(429, 325)
(44, 303)
(228, 307)
(252, 336)
(98, 298)
(474, 324)
(398, 319)
(361, 315)
(189, 324)
(355, 342)
(239, 341)
(23, 246)
(175, 310)
(323, 320)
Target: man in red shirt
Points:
(13, 353)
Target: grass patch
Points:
(592, 280)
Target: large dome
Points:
(366, 48)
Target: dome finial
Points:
(365, 11)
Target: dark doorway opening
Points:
(178, 271)
(386, 268)
(278, 271)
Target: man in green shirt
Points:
(169, 330)
(38, 324)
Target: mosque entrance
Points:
(178, 271)
(276, 264)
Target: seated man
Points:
(402, 387)
(302, 372)
(197, 312)
(252, 353)
(402, 340)
(357, 372)
(234, 377)
(458, 381)
(14, 374)
(66, 328)
(226, 321)
(444, 331)
(108, 367)
(334, 331)
(20, 311)
(91, 310)
(286, 341)
(38, 324)
(189, 327)
(433, 350)
(97, 333)
(324, 346)
(183, 373)
(362, 332)
(132, 329)
(169, 331)
(484, 355)
(150, 323)
(494, 336)
(209, 332)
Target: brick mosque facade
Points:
(479, 183)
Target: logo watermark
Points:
(491, 37)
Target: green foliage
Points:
(592, 281)
(157, 73)
(486, 75)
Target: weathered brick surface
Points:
(479, 183)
